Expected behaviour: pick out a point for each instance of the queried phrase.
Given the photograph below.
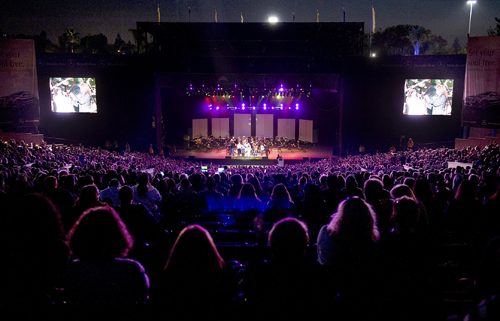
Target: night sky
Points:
(447, 18)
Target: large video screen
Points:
(73, 95)
(428, 97)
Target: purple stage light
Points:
(217, 108)
(297, 106)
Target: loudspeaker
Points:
(264, 157)
(191, 157)
(228, 157)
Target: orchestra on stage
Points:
(244, 146)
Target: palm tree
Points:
(70, 38)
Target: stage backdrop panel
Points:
(264, 125)
(306, 130)
(242, 125)
(200, 128)
(286, 128)
(220, 127)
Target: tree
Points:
(95, 43)
(119, 42)
(495, 31)
(69, 40)
(43, 44)
(417, 36)
(393, 41)
(436, 45)
(457, 48)
(409, 40)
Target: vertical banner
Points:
(481, 106)
(18, 82)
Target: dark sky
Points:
(447, 18)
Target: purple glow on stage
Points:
(297, 106)
(254, 108)
(217, 108)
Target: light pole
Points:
(471, 3)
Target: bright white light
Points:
(272, 19)
(374, 55)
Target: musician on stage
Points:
(240, 148)
(232, 145)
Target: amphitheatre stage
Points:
(290, 156)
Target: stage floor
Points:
(290, 156)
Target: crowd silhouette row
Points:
(88, 232)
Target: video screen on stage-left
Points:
(73, 95)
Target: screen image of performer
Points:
(439, 100)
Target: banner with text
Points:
(481, 106)
(18, 82)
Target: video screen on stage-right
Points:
(428, 97)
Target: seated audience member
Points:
(408, 260)
(351, 188)
(313, 209)
(400, 190)
(463, 215)
(187, 201)
(34, 257)
(347, 248)
(195, 282)
(62, 198)
(88, 198)
(279, 206)
(99, 276)
(146, 194)
(288, 284)
(424, 193)
(247, 206)
(380, 200)
(149, 237)
(110, 195)
(213, 201)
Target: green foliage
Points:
(495, 31)
(409, 40)
(69, 41)
(95, 44)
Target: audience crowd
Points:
(398, 235)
